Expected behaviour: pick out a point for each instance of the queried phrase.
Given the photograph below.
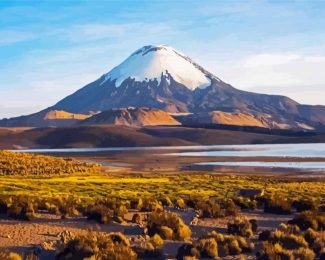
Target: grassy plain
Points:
(127, 185)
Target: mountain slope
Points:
(161, 77)
(132, 117)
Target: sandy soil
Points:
(24, 236)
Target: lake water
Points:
(251, 151)
(261, 150)
(268, 150)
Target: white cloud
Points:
(269, 59)
(12, 36)
(297, 75)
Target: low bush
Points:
(6, 255)
(231, 244)
(264, 235)
(149, 204)
(209, 209)
(213, 209)
(304, 205)
(245, 203)
(276, 251)
(242, 227)
(187, 251)
(277, 206)
(95, 245)
(23, 211)
(137, 218)
(158, 221)
(207, 247)
(289, 241)
(99, 213)
(309, 219)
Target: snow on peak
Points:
(154, 61)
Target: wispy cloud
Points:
(8, 37)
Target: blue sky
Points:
(49, 49)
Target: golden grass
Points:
(129, 186)
(15, 163)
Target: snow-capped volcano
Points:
(158, 76)
(153, 62)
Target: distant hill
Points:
(117, 136)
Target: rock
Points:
(48, 245)
(65, 236)
(194, 221)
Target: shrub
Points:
(264, 235)
(166, 202)
(230, 208)
(210, 209)
(187, 251)
(157, 241)
(149, 205)
(277, 206)
(304, 254)
(231, 244)
(156, 220)
(166, 233)
(273, 251)
(13, 163)
(289, 241)
(310, 236)
(9, 256)
(137, 218)
(3, 206)
(304, 205)
(207, 247)
(99, 213)
(98, 246)
(23, 211)
(180, 203)
(241, 227)
(245, 203)
(308, 219)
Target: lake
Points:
(300, 157)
